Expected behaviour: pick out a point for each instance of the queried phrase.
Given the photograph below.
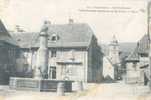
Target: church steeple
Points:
(114, 40)
(114, 55)
(114, 50)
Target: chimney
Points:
(71, 21)
(47, 22)
(18, 28)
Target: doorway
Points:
(52, 72)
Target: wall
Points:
(108, 68)
(95, 62)
(134, 74)
(7, 62)
(64, 56)
(91, 59)
(114, 53)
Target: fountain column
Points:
(41, 70)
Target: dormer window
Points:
(54, 37)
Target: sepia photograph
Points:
(75, 49)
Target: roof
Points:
(114, 41)
(133, 56)
(144, 44)
(5, 36)
(141, 48)
(70, 35)
(24, 39)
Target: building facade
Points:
(8, 49)
(73, 52)
(137, 69)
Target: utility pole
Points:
(149, 34)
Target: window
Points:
(144, 55)
(54, 37)
(72, 55)
(135, 66)
(53, 53)
(52, 72)
(72, 70)
(69, 70)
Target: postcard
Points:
(75, 50)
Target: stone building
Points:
(137, 69)
(8, 49)
(73, 52)
(111, 62)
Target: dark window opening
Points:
(52, 72)
(54, 37)
(144, 55)
(53, 53)
(135, 66)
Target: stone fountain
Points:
(40, 81)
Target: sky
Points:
(127, 26)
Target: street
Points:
(104, 91)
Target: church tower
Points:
(111, 62)
(114, 51)
(114, 56)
